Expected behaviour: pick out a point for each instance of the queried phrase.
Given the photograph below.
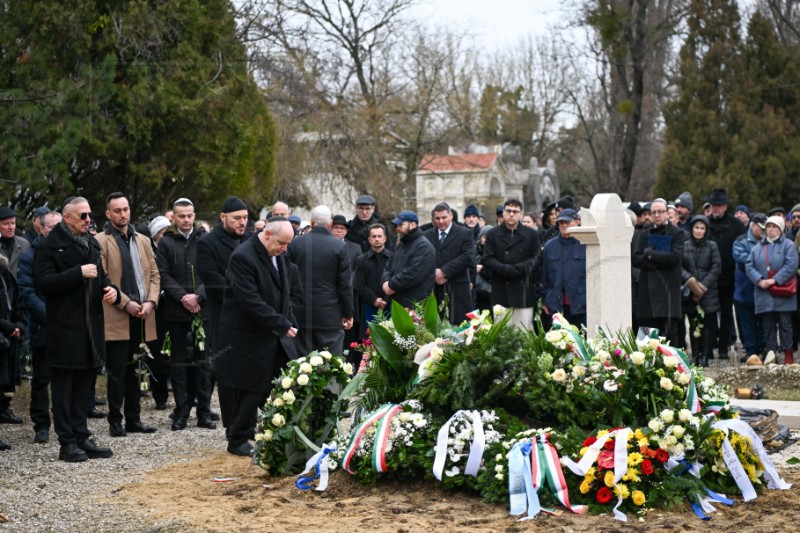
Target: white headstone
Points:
(606, 230)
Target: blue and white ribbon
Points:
(319, 462)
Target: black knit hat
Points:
(233, 204)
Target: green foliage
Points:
(150, 98)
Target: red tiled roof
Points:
(456, 163)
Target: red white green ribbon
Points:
(577, 345)
(359, 433)
(714, 406)
(692, 398)
(382, 439)
(548, 458)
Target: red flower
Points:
(609, 445)
(589, 441)
(354, 345)
(603, 495)
(662, 455)
(606, 459)
(647, 467)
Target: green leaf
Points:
(793, 461)
(403, 322)
(384, 342)
(305, 439)
(352, 387)
(431, 315)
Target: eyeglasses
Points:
(659, 212)
(512, 211)
(84, 216)
(795, 217)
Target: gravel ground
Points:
(40, 493)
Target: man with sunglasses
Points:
(69, 274)
(510, 257)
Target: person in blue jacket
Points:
(744, 291)
(564, 272)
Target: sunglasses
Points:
(84, 216)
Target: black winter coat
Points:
(701, 260)
(327, 279)
(75, 323)
(213, 252)
(34, 302)
(177, 261)
(256, 314)
(358, 232)
(411, 269)
(510, 258)
(724, 231)
(456, 258)
(12, 316)
(658, 293)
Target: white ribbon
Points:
(320, 456)
(620, 467)
(774, 481)
(476, 447)
(581, 467)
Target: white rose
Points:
(277, 402)
(559, 375)
(498, 477)
(552, 336)
(654, 343)
(684, 415)
(315, 360)
(287, 382)
(302, 380)
(637, 358)
(678, 431)
(654, 425)
(436, 353)
(405, 417)
(671, 440)
(288, 397)
(325, 354)
(498, 468)
(678, 449)
(666, 384)
(604, 356)
(670, 361)
(498, 457)
(498, 310)
(668, 414)
(578, 370)
(683, 378)
(348, 368)
(305, 368)
(278, 420)
(267, 434)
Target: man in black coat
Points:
(327, 283)
(183, 296)
(510, 259)
(724, 230)
(213, 252)
(658, 254)
(409, 274)
(257, 330)
(455, 259)
(358, 228)
(367, 278)
(69, 273)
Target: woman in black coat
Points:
(12, 328)
(701, 270)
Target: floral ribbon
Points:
(774, 481)
(358, 434)
(382, 439)
(578, 345)
(476, 447)
(319, 462)
(692, 398)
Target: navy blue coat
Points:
(34, 302)
(564, 270)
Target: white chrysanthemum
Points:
(498, 469)
(654, 425)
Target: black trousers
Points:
(310, 339)
(71, 392)
(123, 382)
(239, 411)
(189, 374)
(40, 389)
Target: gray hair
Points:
(321, 215)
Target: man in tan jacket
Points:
(130, 263)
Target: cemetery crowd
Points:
(177, 304)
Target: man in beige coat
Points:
(130, 263)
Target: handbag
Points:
(783, 291)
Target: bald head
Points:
(276, 236)
(280, 209)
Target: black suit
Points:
(455, 257)
(253, 346)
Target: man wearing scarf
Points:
(130, 263)
(69, 273)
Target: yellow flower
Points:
(609, 478)
(643, 442)
(591, 474)
(632, 475)
(634, 458)
(584, 450)
(602, 433)
(751, 471)
(586, 486)
(638, 435)
(622, 488)
(638, 498)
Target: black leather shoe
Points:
(94, 412)
(206, 422)
(138, 427)
(94, 451)
(161, 406)
(71, 453)
(4, 446)
(244, 450)
(8, 417)
(214, 416)
(115, 429)
(99, 402)
(179, 423)
(42, 436)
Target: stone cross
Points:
(606, 230)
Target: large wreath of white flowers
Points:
(302, 411)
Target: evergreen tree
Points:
(150, 98)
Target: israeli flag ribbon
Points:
(522, 494)
(319, 462)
